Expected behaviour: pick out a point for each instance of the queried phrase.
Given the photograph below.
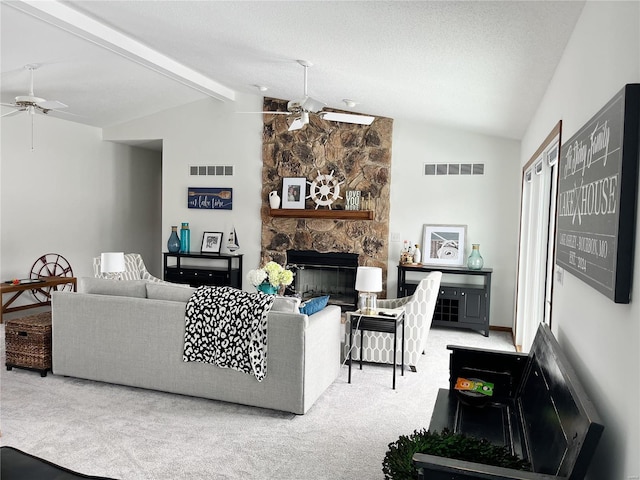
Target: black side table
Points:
(386, 321)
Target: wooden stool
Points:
(28, 343)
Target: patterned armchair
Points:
(378, 347)
(135, 269)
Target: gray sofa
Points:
(132, 333)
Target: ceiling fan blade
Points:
(277, 113)
(347, 118)
(269, 113)
(65, 113)
(51, 105)
(15, 112)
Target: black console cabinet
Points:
(203, 269)
(459, 305)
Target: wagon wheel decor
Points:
(50, 265)
(324, 190)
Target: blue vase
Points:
(173, 244)
(185, 238)
(267, 288)
(475, 260)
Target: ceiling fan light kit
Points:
(299, 122)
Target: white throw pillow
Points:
(286, 304)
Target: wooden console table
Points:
(43, 287)
(460, 304)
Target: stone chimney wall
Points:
(358, 155)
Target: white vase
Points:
(417, 255)
(274, 199)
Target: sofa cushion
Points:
(120, 288)
(174, 293)
(286, 304)
(314, 305)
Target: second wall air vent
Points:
(211, 170)
(453, 169)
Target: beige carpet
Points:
(135, 434)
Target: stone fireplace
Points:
(358, 155)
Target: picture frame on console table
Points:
(444, 245)
(294, 190)
(211, 242)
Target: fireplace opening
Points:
(317, 274)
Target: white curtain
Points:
(537, 234)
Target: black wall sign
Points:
(597, 196)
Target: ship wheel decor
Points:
(324, 190)
(50, 265)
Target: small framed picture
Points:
(444, 245)
(352, 201)
(211, 242)
(293, 192)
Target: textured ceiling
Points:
(478, 66)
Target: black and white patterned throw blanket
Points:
(228, 328)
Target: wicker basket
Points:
(28, 342)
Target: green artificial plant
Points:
(398, 463)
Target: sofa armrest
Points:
(432, 467)
(321, 352)
(503, 369)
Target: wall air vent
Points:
(211, 170)
(453, 169)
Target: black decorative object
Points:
(597, 195)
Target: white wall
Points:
(487, 204)
(208, 132)
(74, 195)
(601, 338)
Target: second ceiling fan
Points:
(301, 109)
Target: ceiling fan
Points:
(30, 103)
(301, 109)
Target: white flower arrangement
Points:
(273, 273)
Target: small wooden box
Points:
(28, 342)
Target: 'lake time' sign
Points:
(597, 185)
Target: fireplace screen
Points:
(318, 274)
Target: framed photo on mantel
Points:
(294, 191)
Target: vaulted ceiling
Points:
(474, 65)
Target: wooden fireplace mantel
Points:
(330, 214)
